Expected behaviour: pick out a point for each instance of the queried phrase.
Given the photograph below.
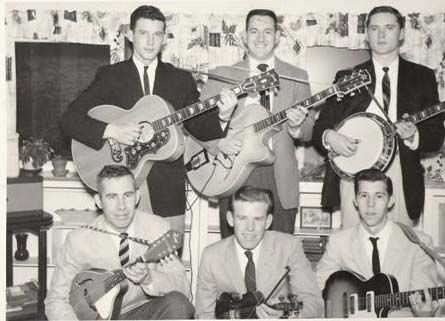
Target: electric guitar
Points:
(161, 138)
(218, 175)
(349, 296)
(98, 293)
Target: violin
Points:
(234, 306)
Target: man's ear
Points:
(354, 201)
(391, 202)
(401, 36)
(243, 36)
(130, 35)
(98, 200)
(269, 220)
(277, 37)
(229, 216)
(138, 196)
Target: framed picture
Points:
(315, 217)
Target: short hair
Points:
(373, 175)
(262, 12)
(386, 9)
(147, 12)
(113, 171)
(253, 194)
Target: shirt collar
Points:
(382, 235)
(393, 66)
(255, 252)
(253, 63)
(140, 65)
(111, 229)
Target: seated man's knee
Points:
(179, 306)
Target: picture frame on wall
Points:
(315, 217)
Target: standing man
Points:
(378, 245)
(260, 39)
(122, 85)
(255, 259)
(400, 87)
(156, 290)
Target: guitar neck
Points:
(281, 116)
(191, 111)
(114, 280)
(427, 113)
(402, 299)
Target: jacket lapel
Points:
(394, 250)
(359, 255)
(233, 267)
(266, 272)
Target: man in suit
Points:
(255, 259)
(260, 39)
(156, 290)
(378, 245)
(123, 84)
(399, 88)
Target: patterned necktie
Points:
(249, 275)
(124, 249)
(375, 256)
(146, 83)
(386, 89)
(264, 98)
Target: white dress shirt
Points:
(151, 72)
(382, 243)
(242, 258)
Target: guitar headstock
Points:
(349, 83)
(261, 82)
(163, 246)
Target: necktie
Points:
(249, 275)
(264, 100)
(124, 249)
(146, 83)
(386, 89)
(375, 255)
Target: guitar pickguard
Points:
(136, 152)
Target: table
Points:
(36, 222)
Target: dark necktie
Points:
(124, 249)
(375, 255)
(146, 83)
(386, 89)
(264, 98)
(249, 276)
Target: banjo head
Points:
(371, 131)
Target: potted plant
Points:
(34, 153)
(59, 164)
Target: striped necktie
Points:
(386, 89)
(124, 249)
(264, 97)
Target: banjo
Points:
(377, 138)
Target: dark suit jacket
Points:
(417, 89)
(120, 85)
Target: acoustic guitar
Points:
(161, 139)
(347, 295)
(219, 175)
(97, 293)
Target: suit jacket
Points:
(417, 90)
(120, 85)
(84, 249)
(405, 260)
(220, 272)
(285, 165)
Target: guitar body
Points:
(220, 175)
(166, 145)
(88, 287)
(342, 285)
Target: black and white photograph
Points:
(238, 159)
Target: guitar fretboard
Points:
(427, 113)
(402, 299)
(281, 116)
(190, 111)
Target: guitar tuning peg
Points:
(281, 298)
(352, 94)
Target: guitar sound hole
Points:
(147, 132)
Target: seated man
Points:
(254, 259)
(156, 290)
(379, 245)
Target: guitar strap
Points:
(412, 236)
(131, 238)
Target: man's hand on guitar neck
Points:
(339, 143)
(226, 103)
(427, 308)
(138, 273)
(124, 133)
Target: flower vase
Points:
(22, 253)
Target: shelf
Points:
(303, 231)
